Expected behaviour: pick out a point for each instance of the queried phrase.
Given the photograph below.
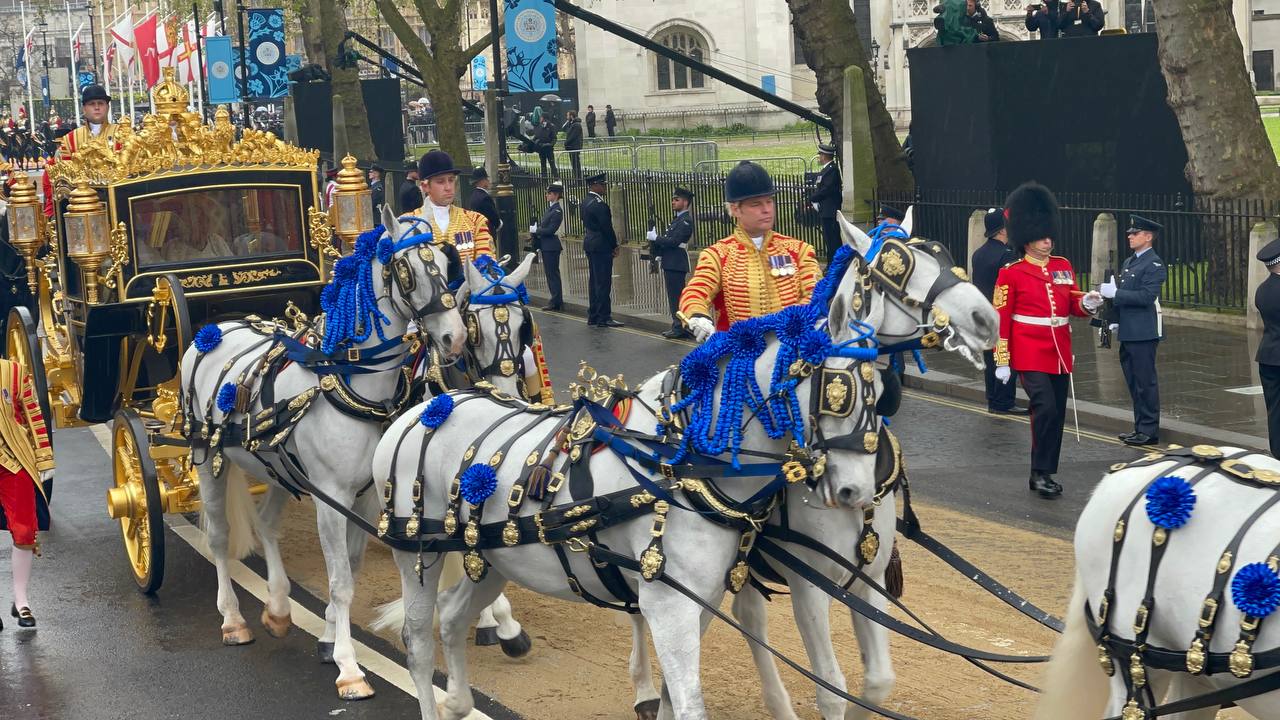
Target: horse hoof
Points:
(518, 646)
(325, 651)
(487, 636)
(647, 709)
(237, 635)
(277, 627)
(358, 689)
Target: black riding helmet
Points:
(747, 180)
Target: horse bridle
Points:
(400, 271)
(508, 357)
(891, 269)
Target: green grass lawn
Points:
(1272, 124)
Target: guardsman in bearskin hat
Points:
(754, 271)
(26, 477)
(466, 230)
(95, 106)
(1035, 297)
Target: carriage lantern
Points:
(26, 224)
(352, 202)
(88, 239)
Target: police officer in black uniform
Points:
(601, 246)
(547, 242)
(481, 201)
(1136, 296)
(987, 260)
(826, 198)
(672, 249)
(1267, 300)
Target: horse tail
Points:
(1074, 685)
(241, 514)
(389, 616)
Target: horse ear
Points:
(518, 275)
(474, 279)
(853, 237)
(389, 219)
(463, 292)
(908, 219)
(836, 316)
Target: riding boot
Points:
(1043, 484)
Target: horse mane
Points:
(350, 307)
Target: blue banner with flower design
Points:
(532, 46)
(267, 69)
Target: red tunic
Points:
(1034, 302)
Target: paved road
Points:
(105, 651)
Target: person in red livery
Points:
(1035, 297)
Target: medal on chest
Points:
(464, 240)
(782, 265)
(1062, 277)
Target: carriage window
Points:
(199, 226)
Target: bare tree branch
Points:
(401, 27)
(478, 47)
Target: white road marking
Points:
(253, 583)
(1246, 390)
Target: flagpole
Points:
(102, 29)
(72, 47)
(31, 99)
(114, 21)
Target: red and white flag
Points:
(186, 52)
(166, 42)
(75, 46)
(109, 60)
(122, 41)
(144, 38)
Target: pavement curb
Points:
(1096, 416)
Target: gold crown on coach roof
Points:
(169, 96)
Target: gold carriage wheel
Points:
(136, 501)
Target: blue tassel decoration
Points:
(1256, 590)
(351, 310)
(227, 397)
(437, 411)
(477, 483)
(208, 338)
(1170, 501)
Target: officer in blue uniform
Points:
(1267, 300)
(1136, 296)
(600, 244)
(826, 198)
(986, 262)
(547, 242)
(672, 249)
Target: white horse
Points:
(1207, 568)
(327, 446)
(971, 328)
(698, 553)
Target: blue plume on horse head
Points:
(493, 271)
(351, 309)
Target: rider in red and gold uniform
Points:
(754, 271)
(96, 106)
(26, 462)
(1035, 297)
(468, 231)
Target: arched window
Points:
(672, 75)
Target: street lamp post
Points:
(44, 87)
(503, 192)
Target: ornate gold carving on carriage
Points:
(156, 230)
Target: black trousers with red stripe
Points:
(1048, 403)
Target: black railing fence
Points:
(1205, 243)
(647, 194)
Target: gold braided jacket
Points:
(739, 282)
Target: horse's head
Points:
(926, 294)
(498, 323)
(415, 270)
(846, 430)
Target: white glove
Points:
(1107, 289)
(46, 475)
(813, 205)
(1092, 301)
(651, 236)
(702, 328)
(533, 228)
(1003, 373)
(4, 207)
(1113, 327)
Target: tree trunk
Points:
(332, 19)
(828, 34)
(1228, 154)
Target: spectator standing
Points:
(673, 251)
(987, 261)
(482, 202)
(1136, 296)
(1034, 297)
(546, 240)
(1042, 17)
(378, 188)
(1267, 300)
(826, 198)
(959, 24)
(591, 121)
(601, 246)
(410, 194)
(573, 142)
(610, 121)
(1080, 18)
(544, 139)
